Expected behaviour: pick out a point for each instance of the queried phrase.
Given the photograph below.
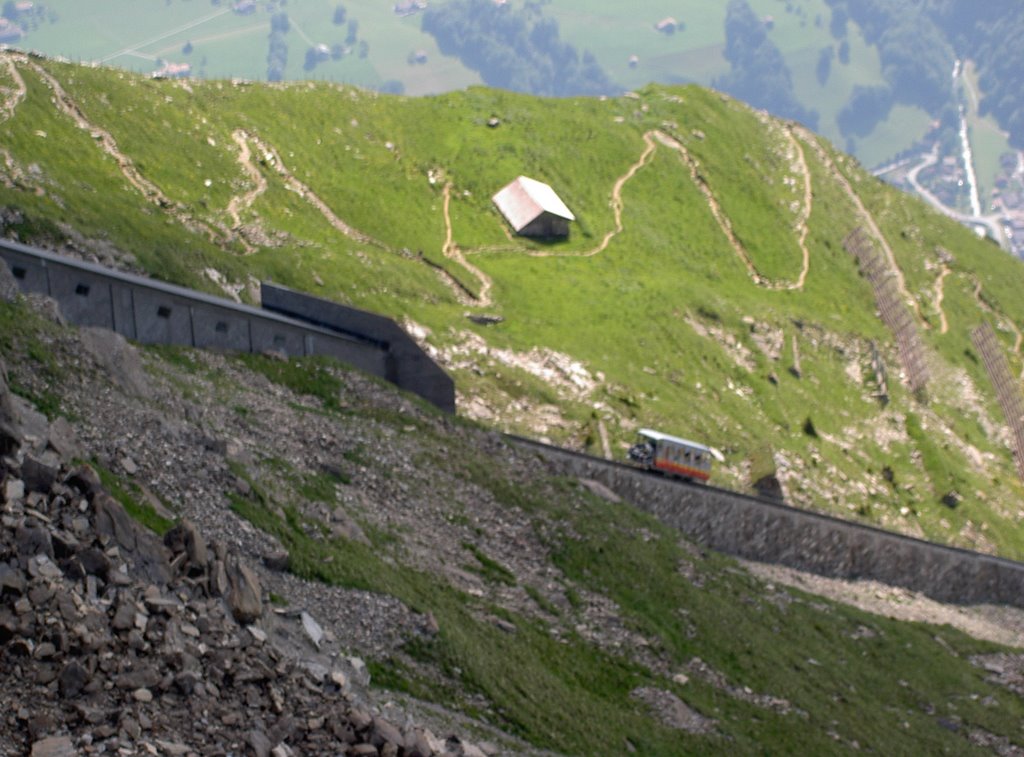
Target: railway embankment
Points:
(766, 531)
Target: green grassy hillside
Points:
(706, 262)
(542, 610)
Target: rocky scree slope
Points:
(115, 641)
(461, 570)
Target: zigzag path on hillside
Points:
(940, 294)
(303, 191)
(725, 224)
(1001, 317)
(1004, 319)
(240, 203)
(12, 98)
(237, 205)
(865, 215)
(452, 252)
(150, 191)
(651, 140)
(156, 196)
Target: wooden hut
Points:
(533, 209)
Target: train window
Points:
(280, 340)
(82, 290)
(221, 327)
(163, 311)
(19, 272)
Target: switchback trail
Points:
(13, 97)
(725, 224)
(651, 140)
(866, 217)
(272, 159)
(1008, 322)
(452, 252)
(939, 295)
(150, 191)
(240, 203)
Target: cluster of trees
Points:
(515, 49)
(868, 106)
(277, 57)
(918, 42)
(916, 55)
(758, 72)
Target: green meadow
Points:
(666, 321)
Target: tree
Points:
(339, 14)
(312, 58)
(837, 25)
(824, 67)
(515, 49)
(758, 72)
(844, 52)
(277, 56)
(868, 106)
(353, 32)
(279, 23)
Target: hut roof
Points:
(522, 201)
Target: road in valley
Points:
(990, 221)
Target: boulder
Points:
(86, 480)
(39, 472)
(9, 289)
(118, 358)
(12, 581)
(244, 593)
(62, 440)
(185, 537)
(10, 429)
(72, 679)
(112, 521)
(53, 746)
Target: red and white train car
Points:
(673, 456)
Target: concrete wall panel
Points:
(84, 297)
(30, 272)
(123, 308)
(359, 355)
(272, 336)
(409, 368)
(220, 329)
(162, 318)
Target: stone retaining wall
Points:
(769, 532)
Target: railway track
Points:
(764, 530)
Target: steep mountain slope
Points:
(704, 289)
(487, 596)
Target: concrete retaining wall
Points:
(769, 532)
(408, 366)
(153, 312)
